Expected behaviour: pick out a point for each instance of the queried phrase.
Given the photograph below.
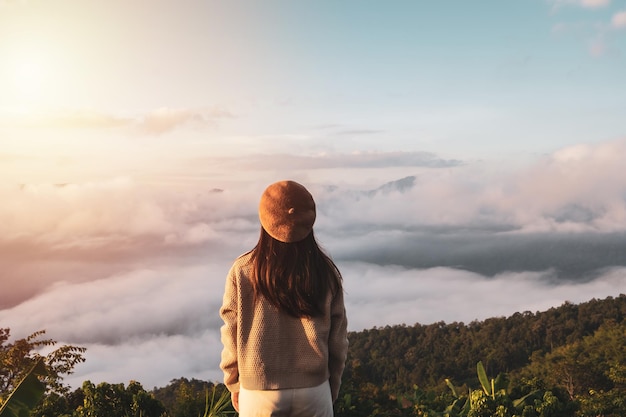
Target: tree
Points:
(19, 357)
(115, 400)
(192, 398)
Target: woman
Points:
(285, 327)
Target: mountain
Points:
(402, 185)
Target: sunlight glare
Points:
(30, 76)
(34, 75)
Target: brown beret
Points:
(287, 211)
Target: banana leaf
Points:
(482, 377)
(26, 394)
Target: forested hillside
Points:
(573, 355)
(397, 357)
(568, 361)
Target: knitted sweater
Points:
(266, 349)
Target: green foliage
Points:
(591, 370)
(116, 400)
(219, 407)
(17, 358)
(569, 361)
(26, 394)
(55, 405)
(528, 351)
(484, 381)
(344, 406)
(494, 400)
(188, 397)
(459, 405)
(184, 398)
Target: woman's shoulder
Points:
(244, 258)
(243, 261)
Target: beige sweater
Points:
(265, 349)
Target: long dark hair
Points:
(294, 277)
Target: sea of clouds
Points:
(134, 268)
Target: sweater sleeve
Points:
(228, 313)
(337, 343)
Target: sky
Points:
(466, 159)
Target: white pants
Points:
(299, 402)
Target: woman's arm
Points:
(228, 313)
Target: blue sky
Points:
(461, 79)
(466, 159)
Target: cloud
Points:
(168, 316)
(165, 300)
(331, 161)
(381, 295)
(577, 258)
(359, 132)
(577, 189)
(157, 122)
(594, 3)
(175, 357)
(599, 35)
(164, 315)
(619, 20)
(588, 4)
(124, 266)
(80, 210)
(597, 47)
(166, 119)
(533, 199)
(112, 211)
(94, 229)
